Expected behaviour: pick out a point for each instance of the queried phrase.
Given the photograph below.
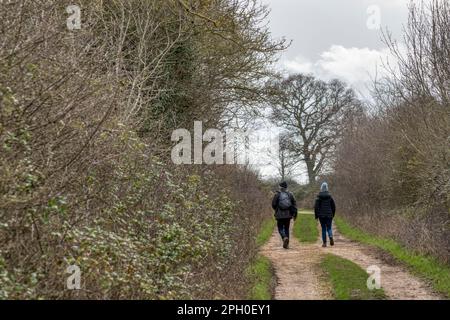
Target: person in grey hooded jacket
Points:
(324, 210)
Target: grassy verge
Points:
(260, 273)
(348, 280)
(305, 228)
(424, 266)
(266, 232)
(260, 270)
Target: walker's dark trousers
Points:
(283, 227)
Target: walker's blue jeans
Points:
(326, 227)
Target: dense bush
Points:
(85, 123)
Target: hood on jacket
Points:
(324, 195)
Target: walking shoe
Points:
(285, 242)
(324, 245)
(331, 242)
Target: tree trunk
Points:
(311, 172)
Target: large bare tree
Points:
(312, 112)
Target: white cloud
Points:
(299, 64)
(356, 66)
(352, 64)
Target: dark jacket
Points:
(283, 214)
(324, 206)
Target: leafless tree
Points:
(422, 66)
(312, 111)
(403, 147)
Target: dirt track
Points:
(299, 276)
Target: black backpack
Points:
(284, 201)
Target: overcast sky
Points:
(334, 39)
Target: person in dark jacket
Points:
(285, 208)
(324, 210)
